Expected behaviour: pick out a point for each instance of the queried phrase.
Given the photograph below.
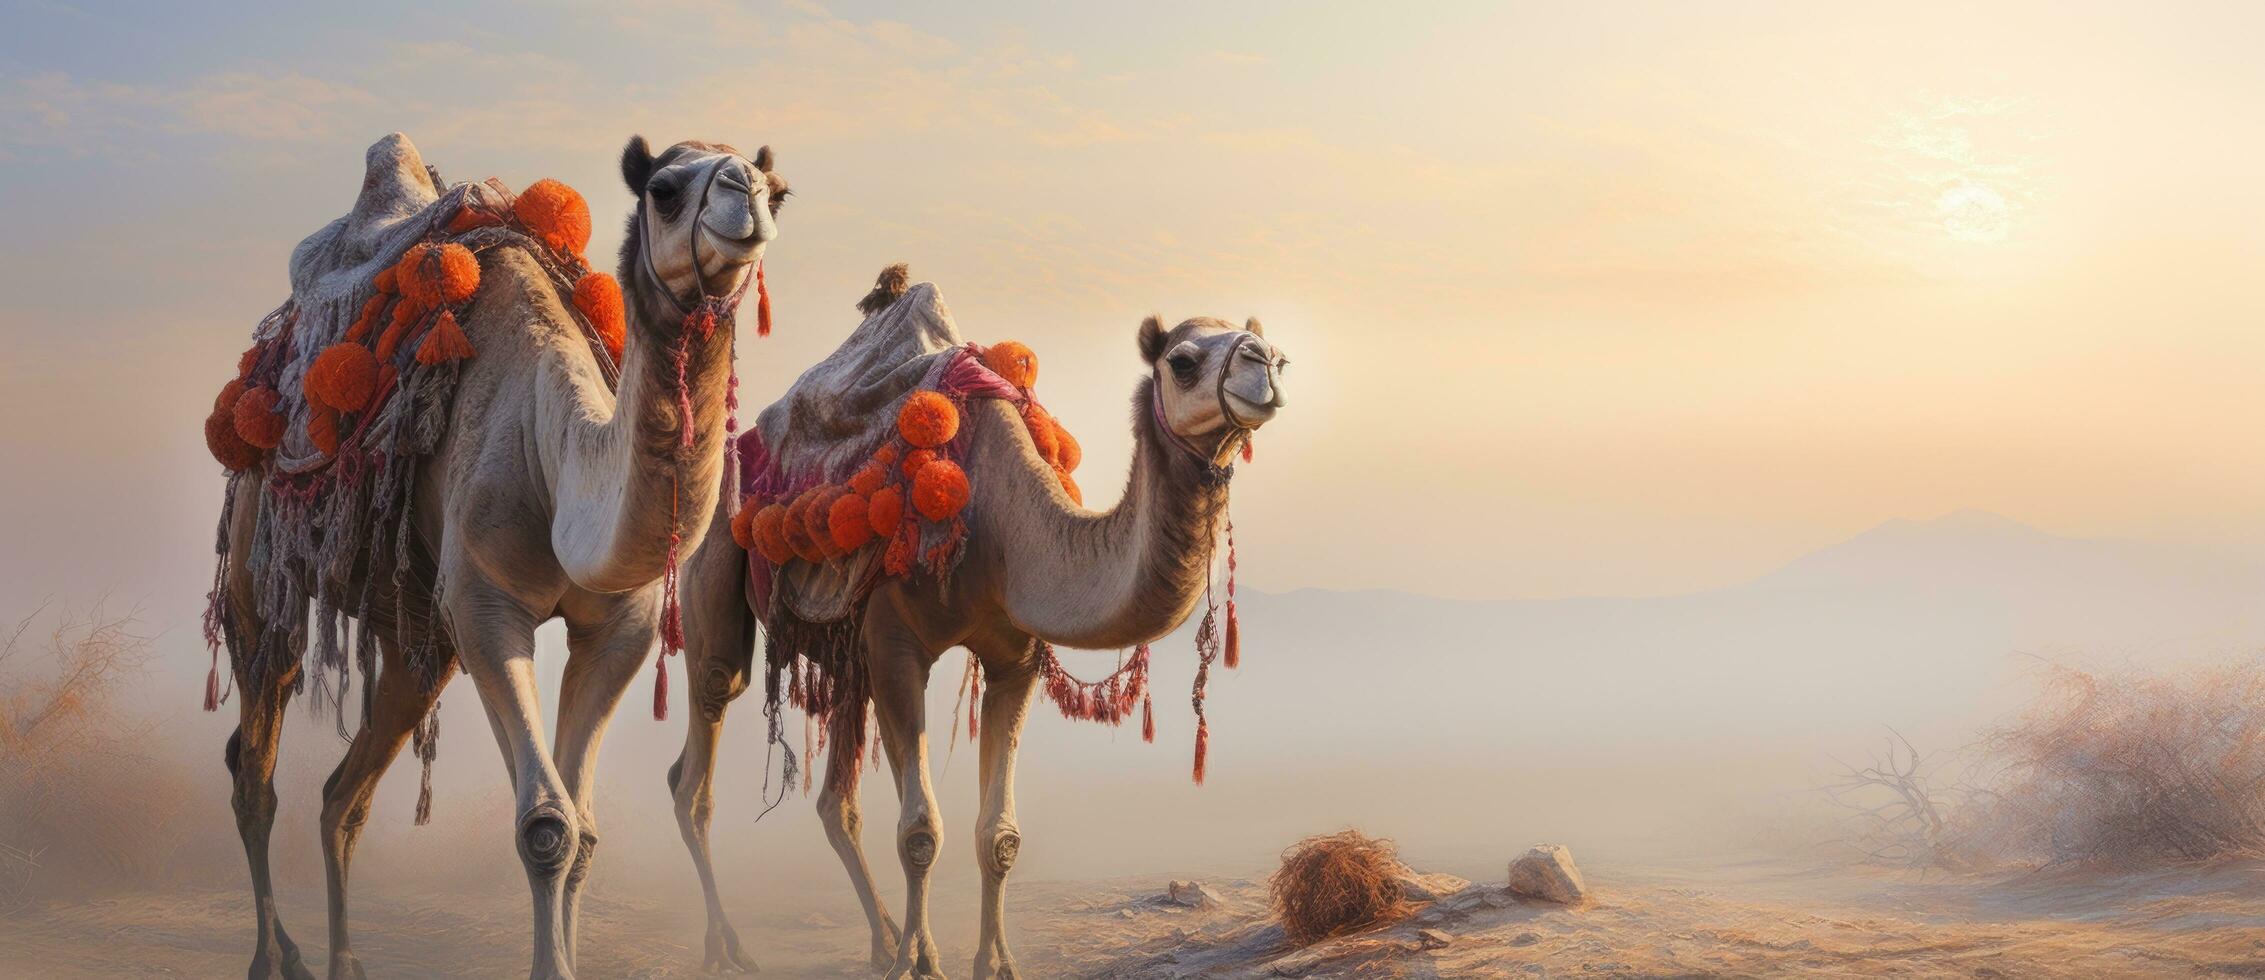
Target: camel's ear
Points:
(1151, 339)
(636, 165)
(1256, 329)
(763, 159)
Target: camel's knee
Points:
(582, 858)
(547, 837)
(233, 755)
(917, 842)
(998, 849)
(719, 685)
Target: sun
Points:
(1972, 211)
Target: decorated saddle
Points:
(855, 475)
(346, 388)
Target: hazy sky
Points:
(1622, 299)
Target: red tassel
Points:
(212, 686)
(1234, 637)
(1147, 719)
(762, 303)
(974, 696)
(444, 342)
(1202, 747)
(660, 688)
(1247, 440)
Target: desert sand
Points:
(1764, 918)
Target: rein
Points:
(703, 317)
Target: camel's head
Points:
(704, 214)
(1215, 381)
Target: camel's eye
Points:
(664, 195)
(1184, 362)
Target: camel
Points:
(549, 495)
(1039, 569)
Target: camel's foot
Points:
(1000, 968)
(921, 964)
(344, 965)
(279, 958)
(724, 955)
(885, 941)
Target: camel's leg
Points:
(495, 640)
(1009, 677)
(398, 705)
(719, 645)
(837, 810)
(899, 668)
(603, 656)
(251, 761)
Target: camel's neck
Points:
(629, 481)
(1101, 579)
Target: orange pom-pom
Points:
(409, 275)
(322, 429)
(847, 519)
(818, 519)
(1013, 362)
(387, 280)
(796, 528)
(257, 419)
(556, 214)
(249, 360)
(1069, 486)
(770, 534)
(1041, 429)
(743, 528)
(914, 460)
(869, 479)
(886, 455)
(885, 510)
(928, 419)
(367, 319)
(439, 275)
(229, 392)
(1071, 453)
(598, 296)
(227, 447)
(444, 342)
(939, 490)
(344, 376)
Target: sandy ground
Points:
(1741, 920)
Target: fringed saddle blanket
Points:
(856, 474)
(346, 388)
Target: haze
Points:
(1637, 301)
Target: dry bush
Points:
(1899, 813)
(2127, 770)
(1337, 883)
(78, 792)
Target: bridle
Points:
(707, 303)
(1237, 427)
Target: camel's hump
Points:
(396, 185)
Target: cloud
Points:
(55, 110)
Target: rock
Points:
(1429, 888)
(1547, 873)
(1192, 895)
(1526, 939)
(1432, 939)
